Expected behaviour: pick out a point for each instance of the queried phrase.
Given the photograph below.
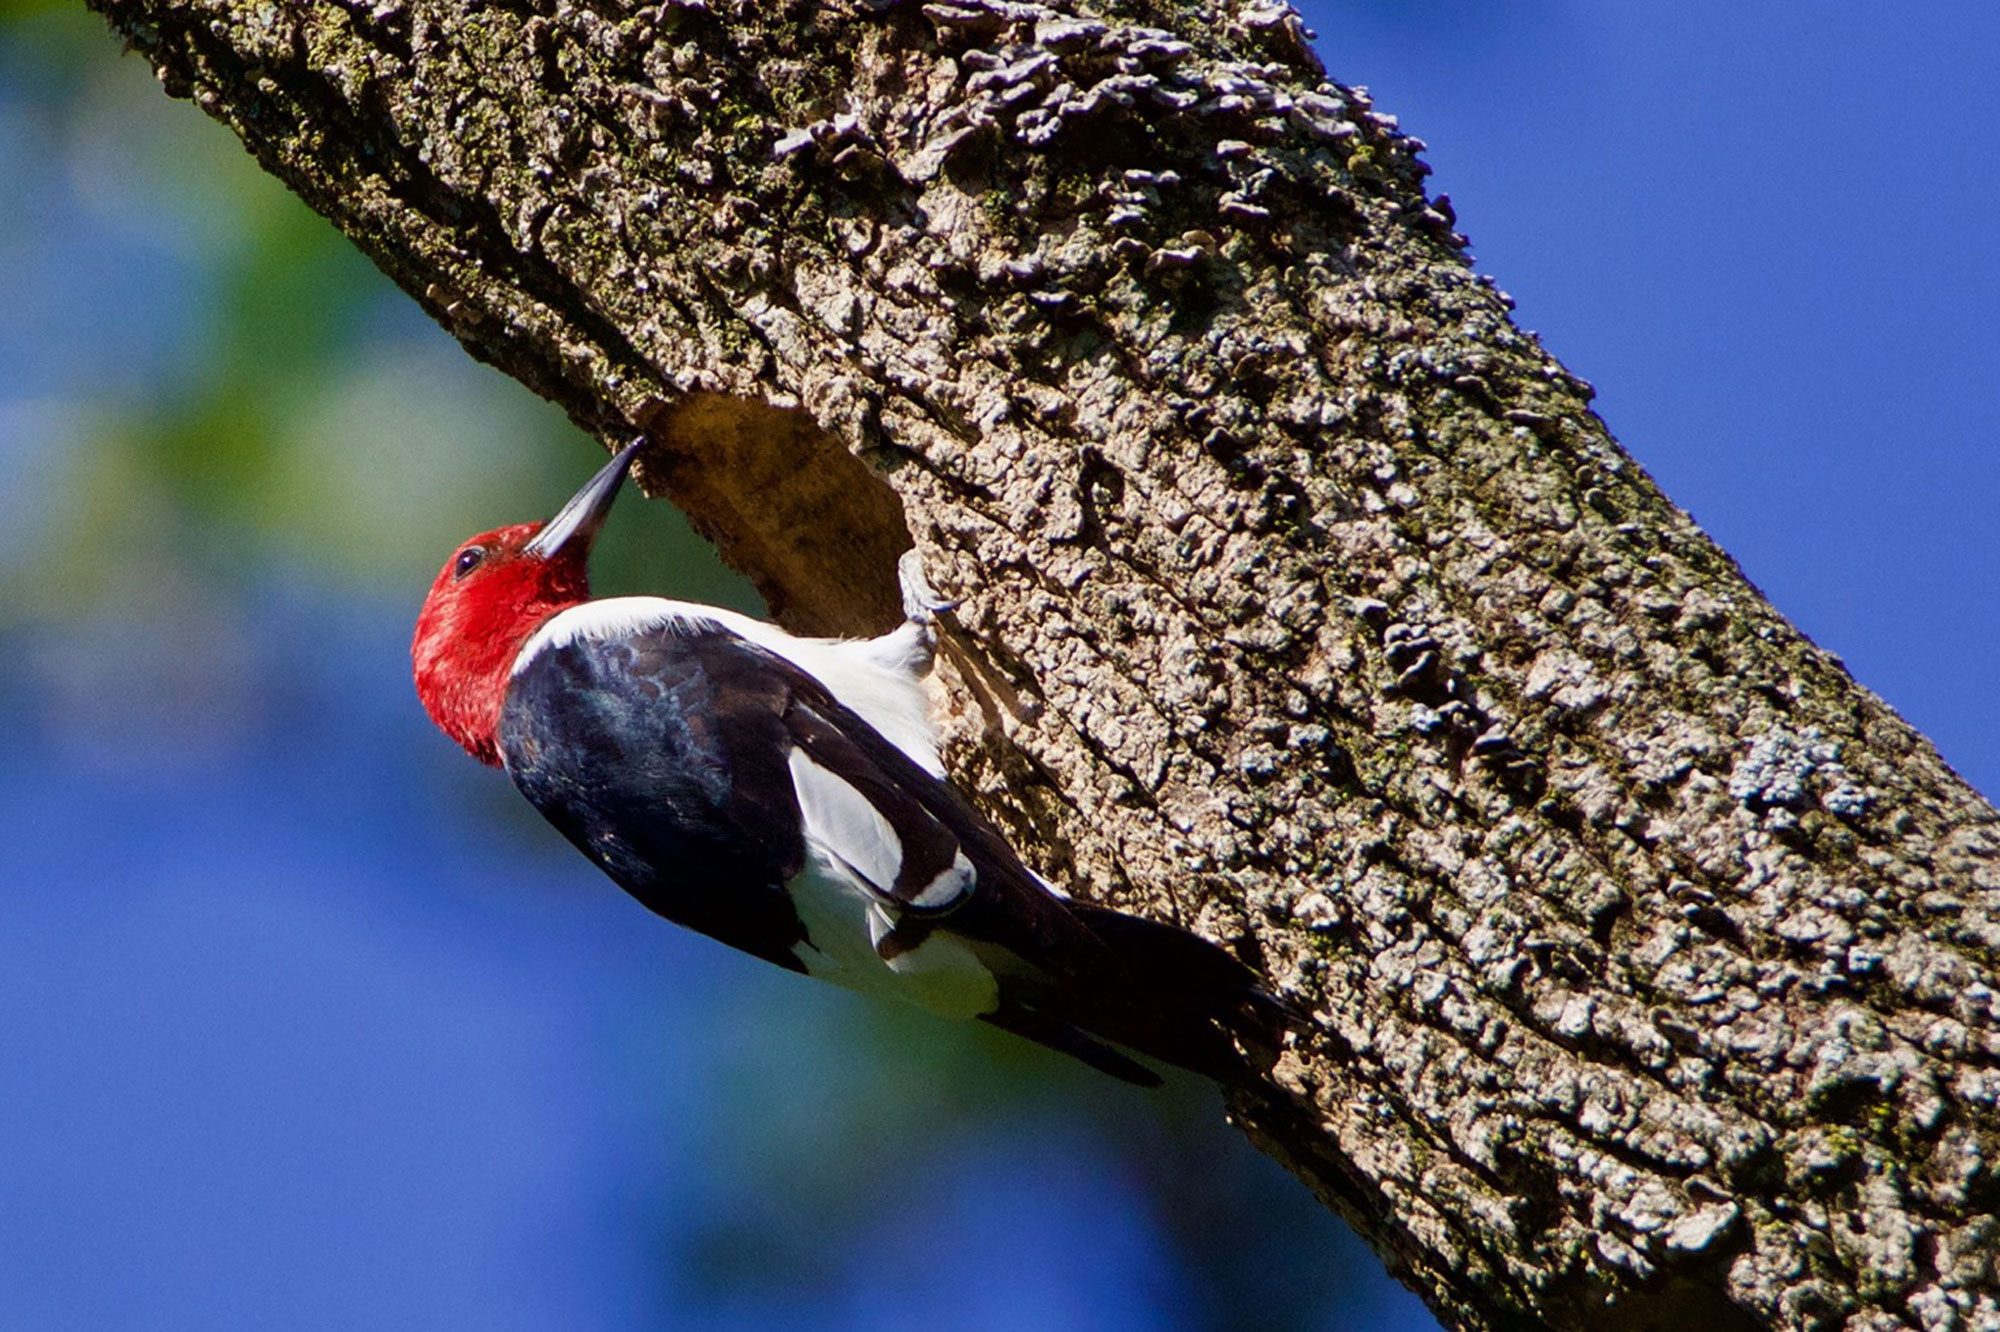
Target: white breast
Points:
(845, 921)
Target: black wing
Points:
(665, 763)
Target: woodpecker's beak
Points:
(576, 526)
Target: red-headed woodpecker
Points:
(784, 795)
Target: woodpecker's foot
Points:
(921, 603)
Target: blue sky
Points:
(303, 1024)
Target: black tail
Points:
(1047, 1029)
(1169, 995)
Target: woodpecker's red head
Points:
(491, 596)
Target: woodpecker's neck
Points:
(468, 636)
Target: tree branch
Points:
(1305, 601)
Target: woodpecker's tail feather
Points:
(1177, 998)
(1060, 1036)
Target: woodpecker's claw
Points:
(921, 603)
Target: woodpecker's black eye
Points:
(468, 560)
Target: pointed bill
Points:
(580, 519)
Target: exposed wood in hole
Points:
(805, 520)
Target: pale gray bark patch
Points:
(1304, 600)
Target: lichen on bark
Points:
(1303, 599)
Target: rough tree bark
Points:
(1304, 599)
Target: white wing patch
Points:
(842, 897)
(840, 820)
(876, 677)
(951, 884)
